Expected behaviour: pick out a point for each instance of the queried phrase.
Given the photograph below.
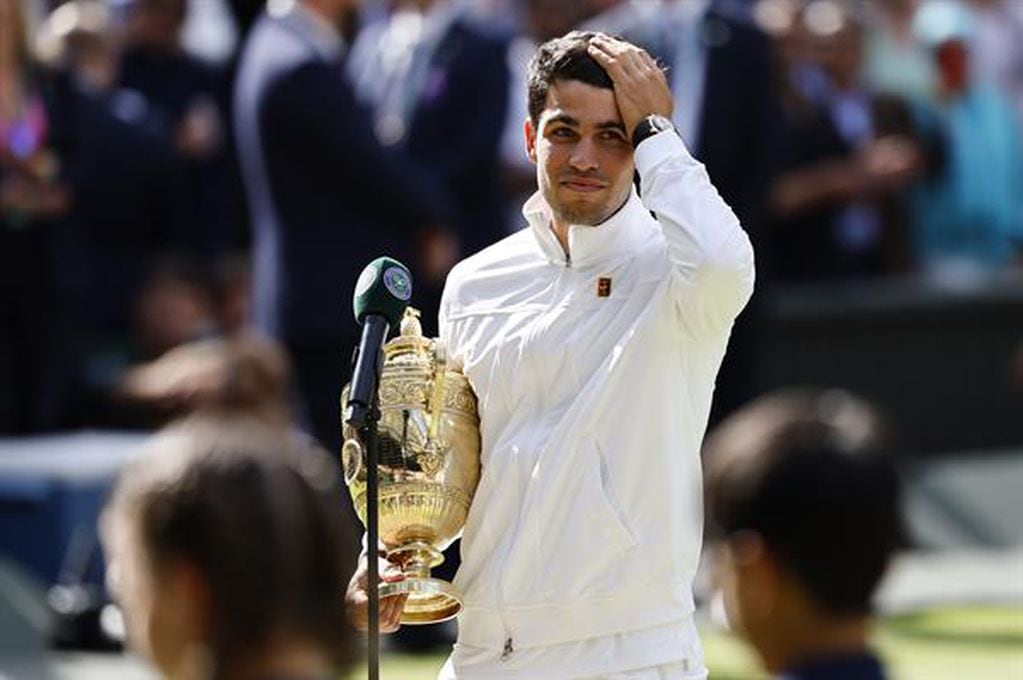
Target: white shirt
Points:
(594, 375)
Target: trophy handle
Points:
(440, 363)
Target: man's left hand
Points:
(641, 88)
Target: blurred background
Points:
(871, 148)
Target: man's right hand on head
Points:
(357, 597)
(640, 86)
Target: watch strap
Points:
(650, 126)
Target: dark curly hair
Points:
(564, 58)
(811, 472)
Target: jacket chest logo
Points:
(604, 286)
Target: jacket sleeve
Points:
(710, 254)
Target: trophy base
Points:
(430, 600)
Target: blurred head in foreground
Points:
(228, 553)
(805, 501)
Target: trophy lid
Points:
(410, 350)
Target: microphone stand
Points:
(366, 422)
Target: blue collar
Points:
(859, 666)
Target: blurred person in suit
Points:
(34, 202)
(436, 85)
(188, 97)
(848, 158)
(123, 172)
(805, 502)
(225, 551)
(324, 195)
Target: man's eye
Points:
(612, 137)
(563, 132)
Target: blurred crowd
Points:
(154, 191)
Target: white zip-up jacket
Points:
(594, 375)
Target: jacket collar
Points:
(588, 246)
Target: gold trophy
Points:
(429, 466)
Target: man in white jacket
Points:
(592, 339)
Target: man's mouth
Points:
(583, 185)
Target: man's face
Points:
(583, 155)
(761, 600)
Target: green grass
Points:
(962, 643)
(978, 643)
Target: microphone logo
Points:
(398, 283)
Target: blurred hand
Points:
(890, 163)
(357, 597)
(34, 198)
(439, 250)
(199, 132)
(641, 88)
(181, 378)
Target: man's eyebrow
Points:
(563, 118)
(566, 119)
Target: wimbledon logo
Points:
(397, 281)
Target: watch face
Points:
(660, 123)
(650, 126)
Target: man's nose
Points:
(584, 156)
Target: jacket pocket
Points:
(584, 535)
(617, 520)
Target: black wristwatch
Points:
(650, 126)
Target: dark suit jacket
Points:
(170, 83)
(737, 143)
(324, 197)
(456, 128)
(738, 120)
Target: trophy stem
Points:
(416, 558)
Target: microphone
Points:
(381, 296)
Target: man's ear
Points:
(530, 134)
(759, 575)
(192, 592)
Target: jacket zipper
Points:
(509, 642)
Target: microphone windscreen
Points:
(384, 288)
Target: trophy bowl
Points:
(429, 466)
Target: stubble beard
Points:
(584, 215)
